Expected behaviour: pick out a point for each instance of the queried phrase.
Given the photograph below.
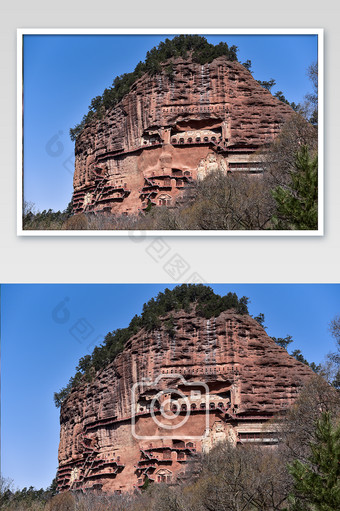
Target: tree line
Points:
(284, 342)
(202, 298)
(206, 302)
(46, 219)
(182, 45)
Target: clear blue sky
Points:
(63, 73)
(47, 328)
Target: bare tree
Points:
(310, 105)
(229, 202)
(279, 158)
(6, 488)
(335, 330)
(331, 368)
(62, 502)
(240, 479)
(298, 427)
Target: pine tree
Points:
(297, 204)
(260, 319)
(283, 341)
(267, 84)
(317, 482)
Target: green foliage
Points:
(207, 303)
(41, 220)
(53, 488)
(247, 64)
(297, 204)
(317, 481)
(182, 45)
(280, 96)
(69, 209)
(300, 358)
(295, 107)
(74, 132)
(283, 341)
(63, 393)
(146, 484)
(213, 305)
(169, 71)
(84, 366)
(260, 319)
(280, 341)
(170, 326)
(27, 498)
(148, 207)
(267, 84)
(314, 367)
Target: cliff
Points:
(171, 393)
(170, 129)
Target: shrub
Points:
(62, 502)
(77, 222)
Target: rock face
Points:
(171, 129)
(171, 393)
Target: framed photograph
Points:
(190, 132)
(139, 384)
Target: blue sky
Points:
(62, 73)
(45, 329)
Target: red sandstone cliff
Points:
(169, 130)
(249, 380)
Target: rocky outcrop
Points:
(171, 393)
(171, 129)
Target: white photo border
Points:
(170, 31)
